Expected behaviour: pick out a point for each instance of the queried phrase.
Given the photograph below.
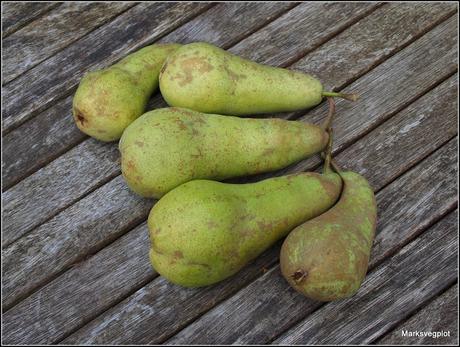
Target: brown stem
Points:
(327, 155)
(330, 115)
(350, 97)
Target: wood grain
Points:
(390, 293)
(355, 118)
(80, 230)
(155, 312)
(44, 194)
(53, 131)
(47, 35)
(313, 24)
(96, 332)
(439, 315)
(16, 14)
(403, 212)
(54, 78)
(59, 304)
(373, 39)
(22, 289)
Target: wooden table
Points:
(75, 243)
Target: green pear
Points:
(108, 100)
(167, 147)
(205, 231)
(327, 257)
(205, 78)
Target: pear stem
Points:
(330, 115)
(328, 156)
(351, 97)
(335, 166)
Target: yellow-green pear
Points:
(205, 231)
(108, 100)
(170, 146)
(206, 78)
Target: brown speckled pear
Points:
(327, 257)
(108, 100)
(167, 147)
(205, 231)
(206, 78)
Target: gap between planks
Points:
(420, 310)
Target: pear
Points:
(108, 100)
(206, 78)
(327, 257)
(170, 146)
(205, 231)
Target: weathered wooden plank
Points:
(37, 41)
(44, 194)
(54, 78)
(217, 25)
(53, 131)
(313, 24)
(99, 332)
(65, 313)
(440, 315)
(407, 137)
(390, 293)
(173, 306)
(60, 312)
(82, 229)
(404, 211)
(355, 119)
(367, 43)
(16, 14)
(39, 141)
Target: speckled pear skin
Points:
(167, 147)
(205, 231)
(205, 78)
(327, 257)
(108, 100)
